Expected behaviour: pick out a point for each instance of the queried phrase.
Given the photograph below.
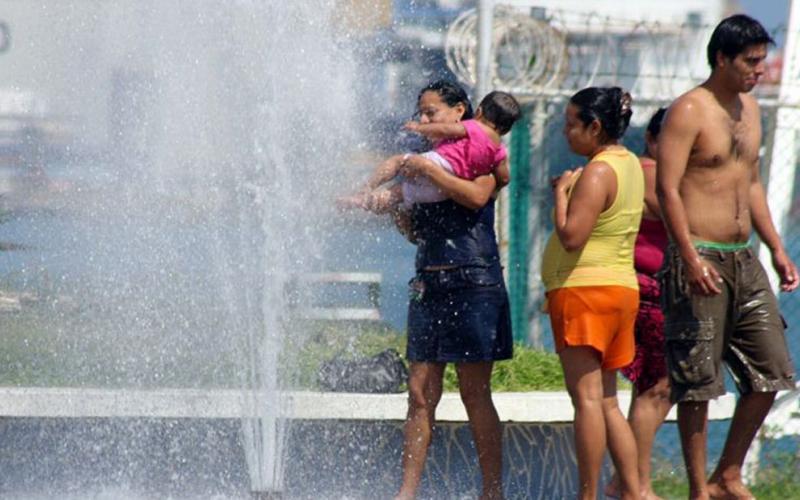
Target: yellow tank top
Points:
(607, 257)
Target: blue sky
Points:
(771, 13)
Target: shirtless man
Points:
(718, 304)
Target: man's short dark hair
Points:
(501, 109)
(733, 35)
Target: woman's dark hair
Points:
(733, 35)
(610, 106)
(654, 125)
(451, 93)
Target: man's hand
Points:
(786, 270)
(703, 279)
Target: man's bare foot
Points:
(729, 490)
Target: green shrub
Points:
(323, 340)
(39, 352)
(528, 370)
(675, 486)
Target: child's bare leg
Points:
(385, 172)
(366, 197)
(385, 200)
(357, 200)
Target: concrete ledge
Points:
(511, 406)
(56, 402)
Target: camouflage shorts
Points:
(741, 326)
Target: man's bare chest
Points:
(724, 143)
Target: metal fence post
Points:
(783, 159)
(519, 201)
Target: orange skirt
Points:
(602, 317)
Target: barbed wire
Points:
(527, 52)
(562, 51)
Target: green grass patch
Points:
(529, 369)
(87, 349)
(324, 340)
(777, 478)
(676, 488)
(42, 346)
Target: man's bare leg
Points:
(693, 427)
(424, 393)
(474, 384)
(726, 481)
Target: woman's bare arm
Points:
(402, 220)
(651, 207)
(576, 214)
(472, 194)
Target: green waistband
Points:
(725, 247)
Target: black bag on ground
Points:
(383, 373)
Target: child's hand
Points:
(411, 169)
(412, 126)
(502, 175)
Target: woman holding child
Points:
(591, 285)
(459, 310)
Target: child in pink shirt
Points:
(467, 149)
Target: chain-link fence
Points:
(530, 202)
(540, 152)
(546, 55)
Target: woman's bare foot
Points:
(650, 495)
(612, 488)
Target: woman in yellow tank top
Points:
(592, 291)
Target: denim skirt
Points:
(459, 315)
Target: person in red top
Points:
(648, 371)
